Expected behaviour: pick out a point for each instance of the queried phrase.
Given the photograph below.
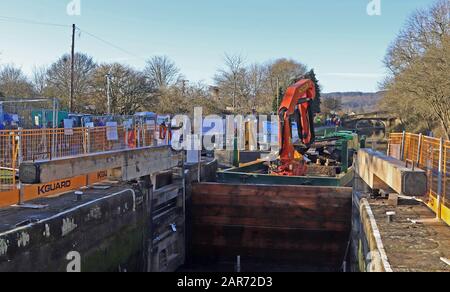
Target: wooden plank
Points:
(288, 239)
(374, 167)
(274, 223)
(289, 223)
(279, 191)
(256, 235)
(264, 201)
(291, 211)
(209, 254)
(281, 216)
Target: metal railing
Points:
(17, 146)
(8, 159)
(433, 156)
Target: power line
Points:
(110, 44)
(33, 22)
(27, 21)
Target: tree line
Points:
(418, 87)
(160, 87)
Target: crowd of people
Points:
(333, 121)
(329, 121)
(8, 124)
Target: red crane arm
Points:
(297, 101)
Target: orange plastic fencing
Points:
(431, 155)
(17, 146)
(8, 159)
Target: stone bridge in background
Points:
(373, 120)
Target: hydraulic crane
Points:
(296, 105)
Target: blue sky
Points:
(337, 38)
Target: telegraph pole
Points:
(72, 70)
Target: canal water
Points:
(377, 139)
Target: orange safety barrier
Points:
(9, 197)
(433, 156)
(17, 146)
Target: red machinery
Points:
(296, 104)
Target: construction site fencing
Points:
(17, 146)
(8, 159)
(433, 156)
(30, 113)
(102, 121)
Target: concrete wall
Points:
(366, 252)
(108, 233)
(130, 227)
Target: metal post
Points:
(85, 140)
(1, 112)
(13, 157)
(141, 134)
(402, 151)
(199, 160)
(155, 133)
(185, 174)
(55, 122)
(19, 147)
(55, 114)
(136, 142)
(419, 150)
(238, 264)
(72, 70)
(344, 156)
(440, 180)
(444, 173)
(138, 126)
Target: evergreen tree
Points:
(278, 99)
(317, 102)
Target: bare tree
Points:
(231, 79)
(418, 90)
(58, 79)
(258, 91)
(285, 72)
(423, 89)
(14, 83)
(130, 91)
(254, 87)
(161, 71)
(423, 30)
(39, 80)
